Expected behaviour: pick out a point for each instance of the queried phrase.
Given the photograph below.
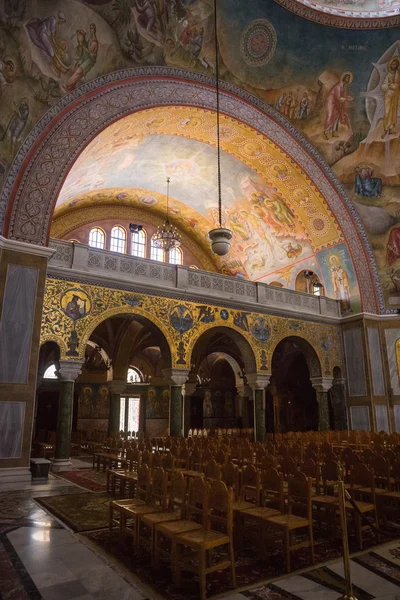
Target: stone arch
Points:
(141, 316)
(311, 356)
(41, 165)
(244, 346)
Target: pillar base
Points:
(15, 475)
(61, 464)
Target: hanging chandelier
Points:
(220, 237)
(167, 237)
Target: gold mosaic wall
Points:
(73, 310)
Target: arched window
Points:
(175, 256)
(97, 238)
(118, 239)
(50, 372)
(134, 375)
(156, 253)
(139, 243)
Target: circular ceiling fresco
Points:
(354, 14)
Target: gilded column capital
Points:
(176, 376)
(258, 381)
(321, 384)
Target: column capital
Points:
(69, 370)
(258, 381)
(339, 381)
(176, 376)
(189, 387)
(117, 386)
(321, 384)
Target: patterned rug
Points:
(92, 480)
(80, 512)
(250, 567)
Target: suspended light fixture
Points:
(220, 237)
(167, 237)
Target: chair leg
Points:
(233, 572)
(202, 574)
(311, 544)
(176, 551)
(156, 549)
(287, 550)
(110, 517)
(357, 522)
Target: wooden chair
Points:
(311, 469)
(362, 490)
(168, 462)
(212, 470)
(193, 515)
(156, 503)
(230, 476)
(142, 495)
(221, 457)
(202, 541)
(250, 486)
(148, 522)
(298, 517)
(288, 467)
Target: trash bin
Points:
(40, 469)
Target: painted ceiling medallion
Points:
(349, 14)
(258, 43)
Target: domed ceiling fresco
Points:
(280, 222)
(380, 13)
(338, 87)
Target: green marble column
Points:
(142, 412)
(175, 411)
(323, 411)
(64, 420)
(259, 415)
(114, 415)
(68, 372)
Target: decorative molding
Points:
(334, 18)
(24, 248)
(321, 384)
(176, 376)
(33, 182)
(69, 370)
(258, 381)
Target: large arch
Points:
(311, 356)
(41, 165)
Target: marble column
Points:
(68, 372)
(258, 382)
(142, 412)
(322, 385)
(176, 378)
(188, 389)
(338, 397)
(117, 387)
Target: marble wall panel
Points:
(378, 382)
(90, 425)
(360, 418)
(157, 427)
(16, 323)
(396, 410)
(391, 336)
(382, 418)
(355, 362)
(12, 415)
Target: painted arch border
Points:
(38, 171)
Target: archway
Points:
(219, 396)
(33, 185)
(291, 399)
(47, 395)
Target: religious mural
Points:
(181, 323)
(157, 406)
(93, 401)
(340, 88)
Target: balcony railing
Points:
(113, 267)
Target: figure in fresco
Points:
(280, 103)
(340, 283)
(208, 409)
(147, 14)
(164, 405)
(393, 246)
(151, 411)
(43, 34)
(391, 90)
(240, 320)
(228, 404)
(7, 72)
(74, 309)
(366, 185)
(302, 113)
(16, 124)
(206, 314)
(289, 108)
(336, 106)
(86, 52)
(280, 212)
(196, 44)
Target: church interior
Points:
(199, 299)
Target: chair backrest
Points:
(177, 493)
(299, 495)
(212, 470)
(269, 461)
(156, 460)
(229, 475)
(168, 462)
(146, 458)
(330, 472)
(250, 485)
(220, 508)
(195, 458)
(197, 501)
(288, 466)
(272, 492)
(206, 455)
(310, 468)
(361, 475)
(143, 482)
(221, 457)
(159, 488)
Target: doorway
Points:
(129, 414)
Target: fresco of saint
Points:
(340, 283)
(391, 90)
(336, 106)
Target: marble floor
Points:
(41, 558)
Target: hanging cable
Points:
(218, 134)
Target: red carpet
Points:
(95, 481)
